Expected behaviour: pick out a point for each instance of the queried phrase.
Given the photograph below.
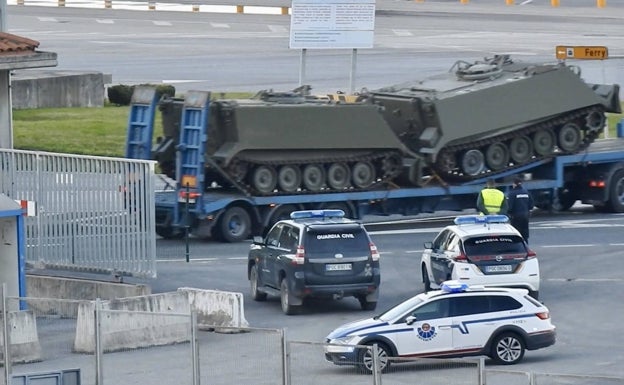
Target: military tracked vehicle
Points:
(477, 120)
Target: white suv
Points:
(456, 321)
(481, 250)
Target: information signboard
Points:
(332, 24)
(581, 52)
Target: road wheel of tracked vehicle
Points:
(289, 178)
(313, 177)
(544, 142)
(497, 156)
(338, 176)
(264, 179)
(473, 162)
(570, 137)
(234, 225)
(521, 149)
(363, 174)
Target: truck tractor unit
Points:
(475, 121)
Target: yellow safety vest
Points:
(492, 200)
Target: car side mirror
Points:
(428, 245)
(258, 240)
(410, 320)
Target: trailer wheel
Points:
(234, 225)
(616, 192)
(564, 200)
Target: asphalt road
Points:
(249, 52)
(581, 284)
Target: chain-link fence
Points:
(70, 342)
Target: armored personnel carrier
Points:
(477, 120)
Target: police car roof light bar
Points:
(480, 219)
(454, 287)
(317, 214)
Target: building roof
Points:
(16, 45)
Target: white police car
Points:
(480, 250)
(453, 322)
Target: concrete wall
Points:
(54, 89)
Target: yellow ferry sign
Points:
(581, 52)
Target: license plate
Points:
(338, 266)
(498, 269)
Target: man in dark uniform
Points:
(519, 205)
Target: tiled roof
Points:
(16, 45)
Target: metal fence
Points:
(123, 347)
(92, 213)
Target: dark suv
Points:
(315, 254)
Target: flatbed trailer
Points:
(595, 176)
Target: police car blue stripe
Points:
(463, 327)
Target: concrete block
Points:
(24, 338)
(217, 308)
(41, 287)
(157, 319)
(54, 89)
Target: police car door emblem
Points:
(426, 332)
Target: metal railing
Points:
(92, 213)
(136, 346)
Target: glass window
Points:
(503, 302)
(432, 310)
(453, 243)
(440, 241)
(272, 238)
(494, 244)
(349, 241)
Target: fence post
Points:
(376, 371)
(481, 371)
(7, 338)
(285, 358)
(99, 378)
(194, 348)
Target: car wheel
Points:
(425, 279)
(508, 349)
(287, 308)
(253, 281)
(534, 294)
(365, 357)
(367, 305)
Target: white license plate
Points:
(338, 266)
(498, 269)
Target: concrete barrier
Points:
(41, 287)
(158, 319)
(54, 89)
(23, 337)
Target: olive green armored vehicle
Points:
(477, 120)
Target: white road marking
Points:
(163, 23)
(191, 260)
(105, 21)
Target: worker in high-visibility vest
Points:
(491, 200)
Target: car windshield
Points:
(494, 244)
(348, 241)
(402, 308)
